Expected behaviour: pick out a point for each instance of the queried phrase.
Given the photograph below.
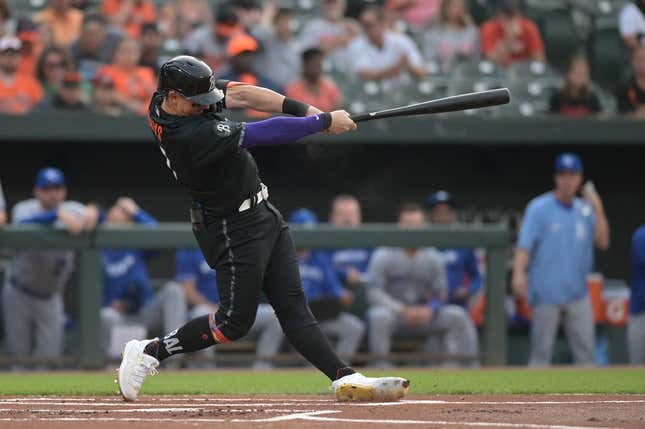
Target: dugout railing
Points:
(495, 239)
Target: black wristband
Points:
(326, 118)
(294, 107)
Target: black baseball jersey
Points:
(205, 155)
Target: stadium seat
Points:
(561, 38)
(608, 56)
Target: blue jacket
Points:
(461, 269)
(343, 259)
(191, 265)
(125, 276)
(318, 278)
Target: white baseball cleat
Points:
(135, 367)
(358, 388)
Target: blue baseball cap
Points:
(303, 217)
(568, 162)
(50, 177)
(440, 197)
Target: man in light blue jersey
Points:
(33, 290)
(636, 326)
(553, 258)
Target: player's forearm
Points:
(282, 130)
(3, 218)
(601, 228)
(521, 260)
(242, 96)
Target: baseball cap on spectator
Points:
(10, 44)
(72, 78)
(28, 36)
(241, 43)
(304, 217)
(440, 197)
(50, 177)
(568, 162)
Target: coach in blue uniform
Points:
(464, 279)
(636, 327)
(127, 293)
(327, 298)
(555, 246)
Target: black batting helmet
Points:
(190, 77)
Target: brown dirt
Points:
(313, 412)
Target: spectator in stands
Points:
(417, 13)
(31, 49)
(631, 23)
(134, 83)
(631, 98)
(454, 38)
(33, 289)
(7, 25)
(327, 299)
(636, 326)
(50, 70)
(209, 41)
(199, 283)
(64, 21)
(313, 88)
(126, 282)
(150, 47)
(69, 96)
(95, 46)
(249, 12)
(577, 98)
(332, 32)
(279, 54)
(242, 51)
(129, 15)
(105, 99)
(18, 93)
(510, 37)
(3, 208)
(350, 264)
(555, 245)
(381, 54)
(464, 278)
(407, 290)
(176, 19)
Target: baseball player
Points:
(554, 256)
(636, 326)
(242, 236)
(33, 290)
(199, 283)
(327, 298)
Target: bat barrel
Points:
(473, 100)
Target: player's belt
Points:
(249, 203)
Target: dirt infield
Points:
(312, 412)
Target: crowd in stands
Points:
(103, 55)
(362, 297)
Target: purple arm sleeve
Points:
(281, 130)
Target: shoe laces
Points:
(143, 369)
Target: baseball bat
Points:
(473, 100)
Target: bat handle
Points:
(362, 117)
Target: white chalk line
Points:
(173, 398)
(146, 410)
(447, 423)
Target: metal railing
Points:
(494, 238)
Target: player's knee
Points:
(379, 316)
(354, 326)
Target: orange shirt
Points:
(524, 46)
(327, 99)
(20, 95)
(139, 15)
(138, 84)
(65, 29)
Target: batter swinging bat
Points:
(473, 100)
